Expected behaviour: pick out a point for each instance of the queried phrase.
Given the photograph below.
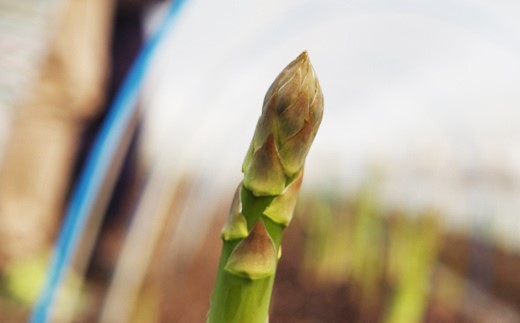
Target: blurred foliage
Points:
(400, 266)
(387, 258)
(24, 278)
(378, 264)
(21, 284)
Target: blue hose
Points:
(97, 167)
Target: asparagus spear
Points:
(264, 202)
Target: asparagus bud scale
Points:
(264, 202)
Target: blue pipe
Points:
(96, 168)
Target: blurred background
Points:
(124, 123)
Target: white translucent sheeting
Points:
(423, 92)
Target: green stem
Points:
(264, 202)
(240, 299)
